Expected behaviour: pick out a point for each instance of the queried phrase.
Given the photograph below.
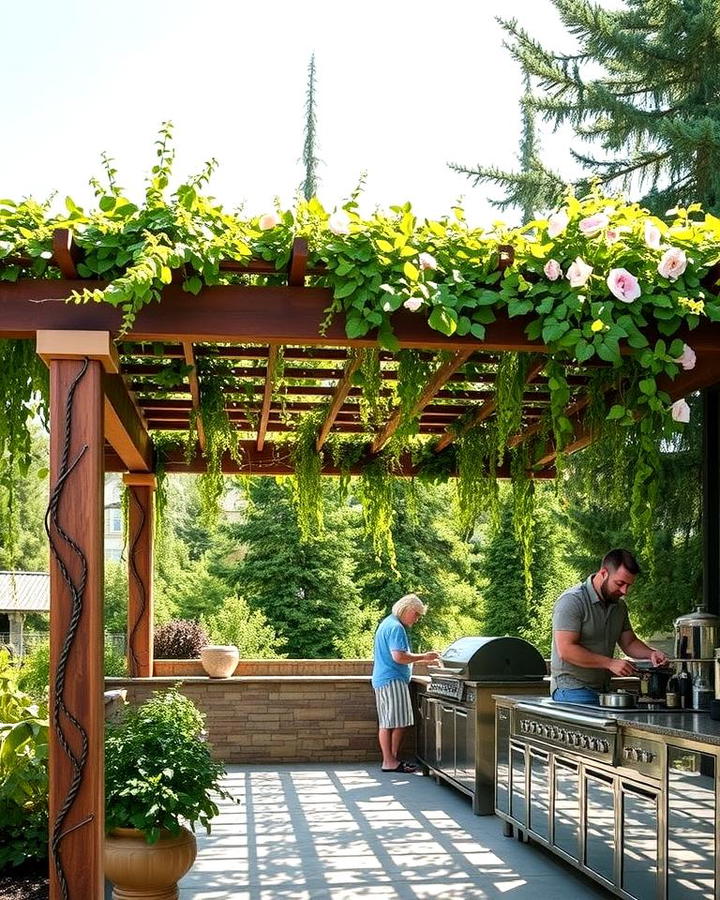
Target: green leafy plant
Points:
(308, 485)
(159, 773)
(377, 492)
(23, 772)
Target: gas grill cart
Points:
(455, 710)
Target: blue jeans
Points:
(575, 695)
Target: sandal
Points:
(402, 767)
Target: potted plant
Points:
(159, 776)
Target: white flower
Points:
(687, 358)
(578, 273)
(623, 285)
(552, 269)
(427, 261)
(339, 223)
(680, 411)
(590, 225)
(268, 221)
(673, 263)
(652, 235)
(413, 304)
(557, 223)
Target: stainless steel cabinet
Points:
(539, 793)
(518, 785)
(502, 760)
(599, 819)
(566, 807)
(640, 826)
(691, 823)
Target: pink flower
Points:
(623, 285)
(339, 223)
(592, 224)
(557, 223)
(578, 273)
(552, 269)
(687, 358)
(427, 261)
(268, 221)
(680, 411)
(673, 263)
(612, 235)
(413, 304)
(652, 235)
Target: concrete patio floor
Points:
(313, 832)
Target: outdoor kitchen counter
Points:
(691, 726)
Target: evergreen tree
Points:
(306, 591)
(310, 160)
(643, 89)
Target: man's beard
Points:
(607, 596)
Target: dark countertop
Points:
(692, 726)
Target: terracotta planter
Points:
(143, 871)
(219, 661)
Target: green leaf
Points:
(411, 271)
(443, 320)
(344, 290)
(477, 331)
(193, 285)
(356, 326)
(107, 203)
(617, 412)
(583, 351)
(519, 307)
(647, 386)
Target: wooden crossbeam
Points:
(194, 384)
(267, 395)
(484, 411)
(66, 254)
(298, 262)
(442, 374)
(342, 390)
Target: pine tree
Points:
(310, 160)
(642, 89)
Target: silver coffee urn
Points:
(696, 637)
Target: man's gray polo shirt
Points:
(599, 625)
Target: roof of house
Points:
(24, 592)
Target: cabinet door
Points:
(518, 760)
(464, 769)
(566, 804)
(447, 743)
(539, 793)
(600, 836)
(640, 841)
(691, 811)
(502, 760)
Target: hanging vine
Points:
(377, 493)
(413, 372)
(373, 406)
(307, 463)
(509, 388)
(523, 490)
(346, 452)
(477, 486)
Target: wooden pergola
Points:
(110, 393)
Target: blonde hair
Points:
(409, 601)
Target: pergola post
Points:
(711, 499)
(74, 521)
(141, 508)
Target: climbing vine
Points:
(308, 483)
(377, 492)
(477, 486)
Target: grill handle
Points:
(563, 715)
(445, 670)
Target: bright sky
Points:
(403, 87)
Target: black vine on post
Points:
(134, 540)
(77, 592)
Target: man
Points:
(589, 619)
(392, 668)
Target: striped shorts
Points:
(393, 705)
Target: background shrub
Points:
(179, 639)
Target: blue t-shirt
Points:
(390, 635)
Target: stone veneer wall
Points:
(281, 718)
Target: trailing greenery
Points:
(307, 464)
(373, 406)
(477, 486)
(413, 372)
(377, 493)
(509, 387)
(159, 774)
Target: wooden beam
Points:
(66, 254)
(298, 262)
(125, 427)
(194, 384)
(75, 530)
(484, 411)
(431, 388)
(342, 390)
(267, 395)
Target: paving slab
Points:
(352, 832)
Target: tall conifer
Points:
(642, 90)
(310, 160)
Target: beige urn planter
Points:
(219, 661)
(143, 871)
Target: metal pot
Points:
(617, 700)
(696, 635)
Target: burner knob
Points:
(533, 728)
(647, 756)
(604, 746)
(585, 742)
(576, 739)
(594, 744)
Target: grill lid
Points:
(492, 659)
